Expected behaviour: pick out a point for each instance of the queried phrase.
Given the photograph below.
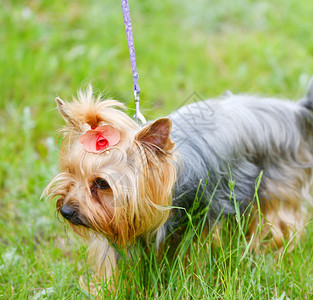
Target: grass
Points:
(50, 48)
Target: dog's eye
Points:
(101, 184)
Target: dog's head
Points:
(116, 179)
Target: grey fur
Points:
(307, 101)
(245, 134)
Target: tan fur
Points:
(282, 207)
(141, 171)
(133, 206)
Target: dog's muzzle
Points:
(71, 215)
(67, 212)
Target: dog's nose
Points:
(67, 211)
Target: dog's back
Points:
(238, 137)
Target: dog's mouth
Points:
(72, 215)
(77, 221)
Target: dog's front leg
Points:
(104, 258)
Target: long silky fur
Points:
(241, 135)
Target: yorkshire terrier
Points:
(119, 182)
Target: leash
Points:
(139, 118)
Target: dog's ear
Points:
(64, 111)
(157, 135)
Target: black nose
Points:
(67, 211)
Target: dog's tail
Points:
(307, 101)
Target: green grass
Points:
(50, 48)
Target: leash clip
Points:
(139, 118)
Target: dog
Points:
(119, 182)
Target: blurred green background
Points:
(50, 48)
